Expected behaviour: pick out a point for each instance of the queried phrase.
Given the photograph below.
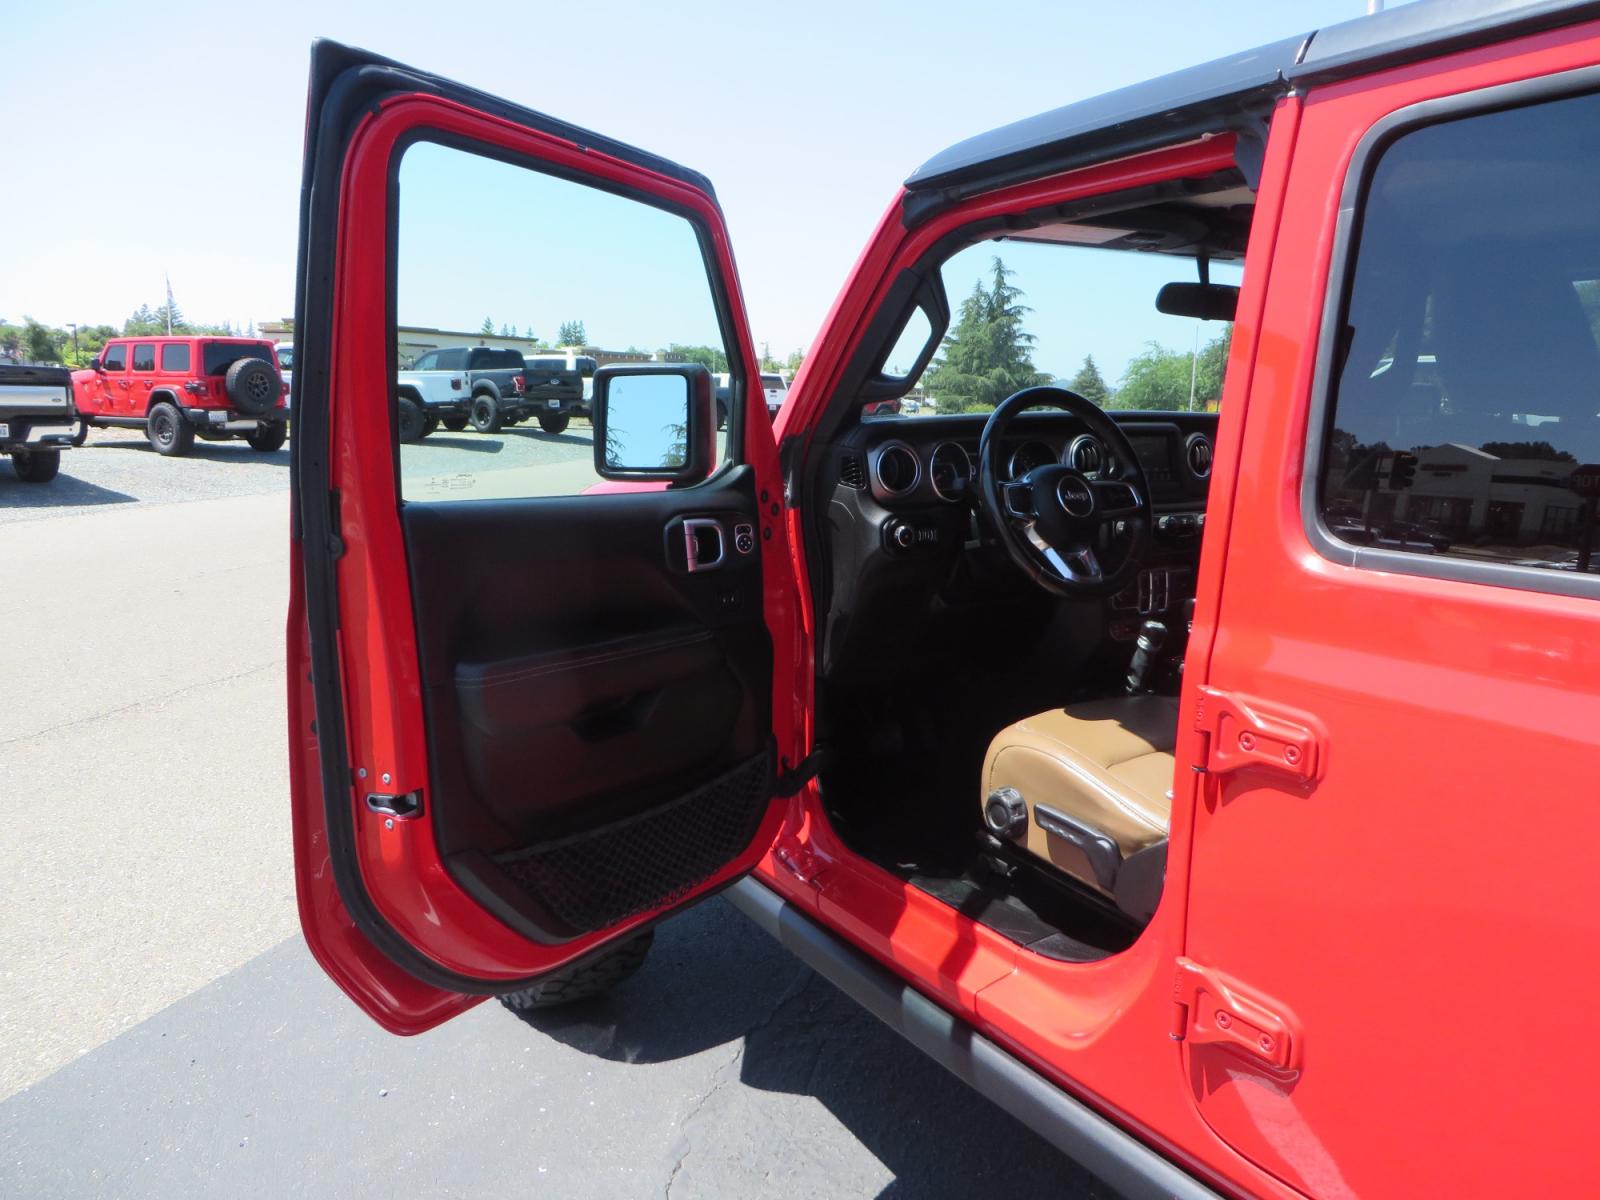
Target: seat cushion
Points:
(1106, 764)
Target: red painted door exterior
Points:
(1415, 916)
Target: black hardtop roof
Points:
(1229, 92)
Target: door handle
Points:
(704, 544)
(1244, 732)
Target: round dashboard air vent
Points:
(1086, 455)
(1197, 453)
(896, 469)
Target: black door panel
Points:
(582, 685)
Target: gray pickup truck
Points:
(37, 419)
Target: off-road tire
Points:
(586, 980)
(168, 430)
(268, 436)
(455, 424)
(430, 424)
(36, 466)
(554, 423)
(252, 385)
(80, 435)
(486, 413)
(409, 416)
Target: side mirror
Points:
(1207, 301)
(654, 421)
(94, 363)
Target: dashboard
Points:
(903, 526)
(917, 462)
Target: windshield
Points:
(1030, 313)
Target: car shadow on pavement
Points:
(560, 439)
(478, 443)
(229, 451)
(713, 978)
(61, 492)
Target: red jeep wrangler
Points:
(1117, 758)
(175, 388)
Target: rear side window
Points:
(114, 359)
(1465, 399)
(175, 357)
(450, 360)
(219, 356)
(496, 360)
(144, 357)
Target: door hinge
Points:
(790, 780)
(1211, 1008)
(1242, 732)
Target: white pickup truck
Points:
(37, 419)
(459, 385)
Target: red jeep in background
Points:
(1116, 758)
(178, 387)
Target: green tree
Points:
(142, 321)
(572, 333)
(1160, 379)
(710, 357)
(487, 327)
(988, 355)
(170, 312)
(796, 357)
(1089, 383)
(40, 343)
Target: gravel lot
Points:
(163, 1031)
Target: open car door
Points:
(528, 714)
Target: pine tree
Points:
(988, 355)
(487, 327)
(572, 333)
(1089, 383)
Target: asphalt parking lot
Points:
(163, 1031)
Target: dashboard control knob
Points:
(903, 535)
(1006, 812)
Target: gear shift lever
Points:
(1152, 637)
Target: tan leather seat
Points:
(1094, 783)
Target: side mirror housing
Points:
(94, 363)
(654, 421)
(1207, 301)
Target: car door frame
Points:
(360, 104)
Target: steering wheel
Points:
(1055, 522)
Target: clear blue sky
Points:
(169, 141)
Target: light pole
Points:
(74, 329)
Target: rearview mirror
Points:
(654, 421)
(1206, 301)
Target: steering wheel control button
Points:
(1005, 812)
(744, 539)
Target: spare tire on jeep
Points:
(252, 385)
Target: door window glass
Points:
(175, 357)
(144, 357)
(510, 263)
(114, 359)
(1466, 409)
